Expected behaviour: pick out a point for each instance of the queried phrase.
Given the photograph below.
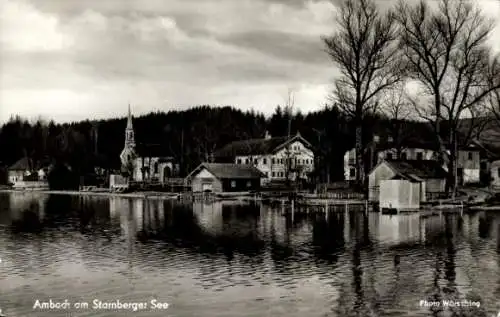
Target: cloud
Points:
(75, 59)
(25, 29)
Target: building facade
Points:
(276, 157)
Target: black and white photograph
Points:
(234, 158)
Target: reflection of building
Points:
(396, 229)
(22, 202)
(145, 162)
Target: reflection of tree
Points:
(328, 236)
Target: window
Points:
(249, 184)
(498, 172)
(404, 156)
(388, 156)
(233, 184)
(267, 174)
(156, 167)
(352, 172)
(255, 161)
(239, 161)
(420, 156)
(272, 160)
(264, 161)
(281, 161)
(246, 161)
(470, 155)
(273, 174)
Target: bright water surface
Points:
(229, 259)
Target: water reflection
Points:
(345, 263)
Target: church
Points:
(146, 162)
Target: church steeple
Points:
(129, 131)
(128, 155)
(129, 120)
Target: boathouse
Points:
(425, 176)
(225, 177)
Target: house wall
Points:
(205, 177)
(435, 185)
(117, 181)
(158, 174)
(350, 165)
(277, 170)
(399, 194)
(380, 172)
(495, 173)
(470, 162)
(16, 176)
(240, 185)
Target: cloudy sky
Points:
(71, 59)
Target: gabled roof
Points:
(24, 164)
(259, 146)
(416, 169)
(229, 171)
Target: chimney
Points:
(267, 136)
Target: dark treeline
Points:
(189, 136)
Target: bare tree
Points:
(364, 50)
(445, 52)
(494, 101)
(399, 109)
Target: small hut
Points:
(225, 177)
(404, 184)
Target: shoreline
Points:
(225, 196)
(160, 195)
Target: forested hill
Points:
(189, 136)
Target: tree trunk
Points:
(360, 169)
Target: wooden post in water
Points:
(326, 210)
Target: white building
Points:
(270, 156)
(147, 162)
(468, 162)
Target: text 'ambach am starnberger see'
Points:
(97, 304)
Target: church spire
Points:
(129, 131)
(129, 120)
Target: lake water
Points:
(229, 259)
